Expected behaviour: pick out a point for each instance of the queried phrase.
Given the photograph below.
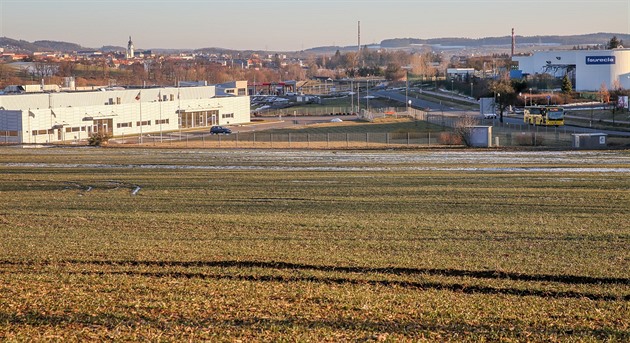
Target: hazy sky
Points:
(290, 25)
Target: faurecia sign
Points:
(600, 59)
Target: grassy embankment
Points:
(326, 251)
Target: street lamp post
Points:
(351, 96)
(367, 95)
(499, 102)
(471, 91)
(358, 97)
(407, 87)
(406, 83)
(452, 87)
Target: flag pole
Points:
(160, 103)
(179, 110)
(140, 95)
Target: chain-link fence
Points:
(303, 111)
(501, 136)
(442, 133)
(510, 134)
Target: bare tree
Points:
(463, 129)
(66, 68)
(42, 69)
(5, 73)
(295, 72)
(603, 93)
(504, 95)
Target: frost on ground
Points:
(306, 160)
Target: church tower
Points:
(130, 52)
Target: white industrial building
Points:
(592, 68)
(65, 116)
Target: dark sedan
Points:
(215, 130)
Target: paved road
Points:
(438, 108)
(416, 103)
(286, 121)
(277, 122)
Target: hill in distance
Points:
(586, 39)
(601, 38)
(22, 46)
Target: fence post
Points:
(271, 140)
(367, 139)
(407, 138)
(254, 140)
(387, 138)
(289, 139)
(347, 140)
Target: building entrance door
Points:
(104, 126)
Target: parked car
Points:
(215, 130)
(489, 115)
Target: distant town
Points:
(61, 65)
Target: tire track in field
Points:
(478, 274)
(494, 275)
(86, 188)
(453, 287)
(411, 330)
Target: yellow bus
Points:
(544, 115)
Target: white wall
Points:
(59, 111)
(589, 77)
(536, 63)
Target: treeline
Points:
(166, 71)
(160, 72)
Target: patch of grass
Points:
(446, 100)
(378, 126)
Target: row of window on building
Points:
(86, 128)
(241, 91)
(118, 100)
(143, 123)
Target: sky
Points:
(293, 25)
